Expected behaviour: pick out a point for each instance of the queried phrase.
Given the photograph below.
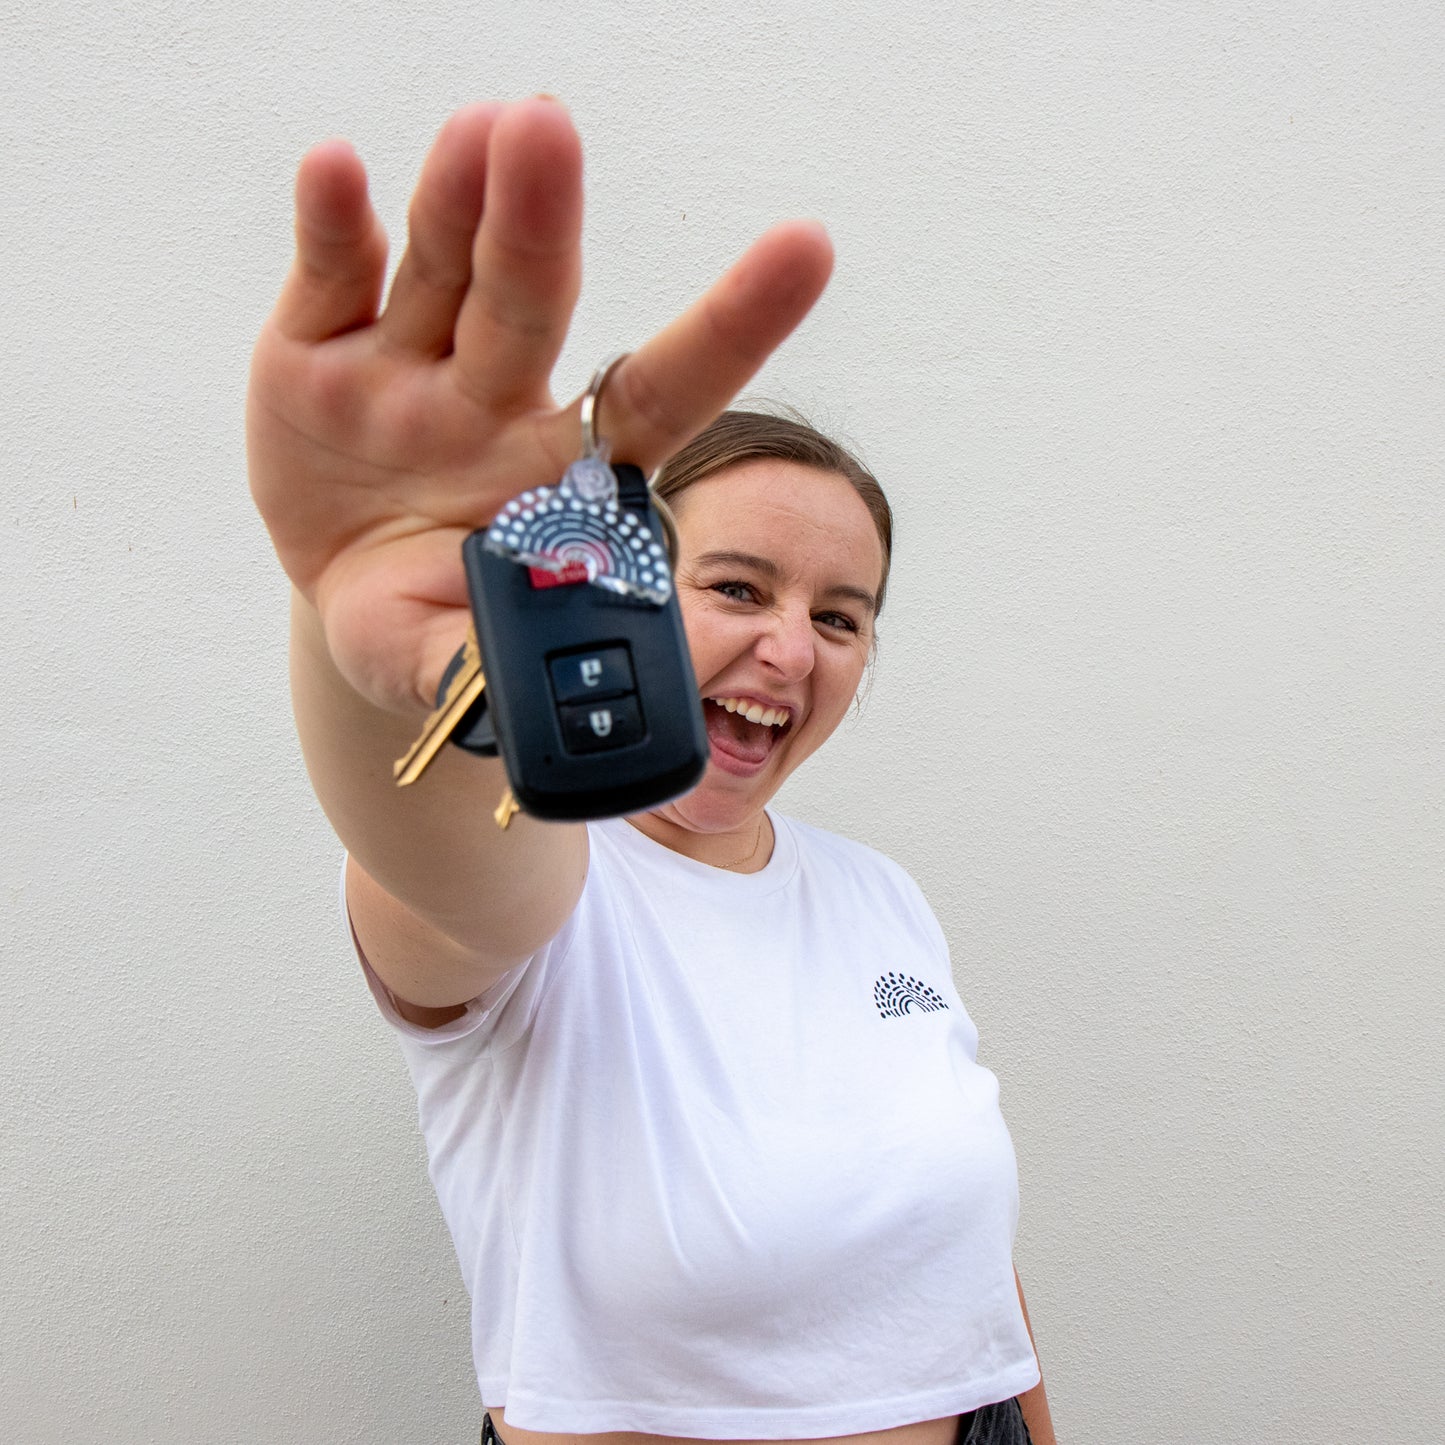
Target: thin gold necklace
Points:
(750, 854)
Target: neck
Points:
(743, 849)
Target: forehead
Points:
(784, 511)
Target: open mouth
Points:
(744, 731)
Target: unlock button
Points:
(601, 672)
(601, 726)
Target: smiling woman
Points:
(781, 566)
(701, 1102)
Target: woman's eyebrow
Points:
(766, 567)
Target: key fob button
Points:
(602, 672)
(601, 726)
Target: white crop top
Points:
(719, 1161)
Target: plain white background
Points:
(1137, 313)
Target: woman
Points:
(698, 1190)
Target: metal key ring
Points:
(590, 445)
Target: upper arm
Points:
(430, 973)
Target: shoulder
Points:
(864, 901)
(831, 858)
(819, 843)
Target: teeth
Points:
(755, 712)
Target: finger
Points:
(527, 261)
(335, 280)
(670, 389)
(434, 273)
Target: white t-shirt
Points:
(719, 1161)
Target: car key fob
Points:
(589, 685)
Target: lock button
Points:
(599, 672)
(601, 726)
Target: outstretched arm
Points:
(381, 434)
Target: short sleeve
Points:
(478, 1011)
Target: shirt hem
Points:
(783, 1422)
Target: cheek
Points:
(711, 635)
(694, 623)
(845, 677)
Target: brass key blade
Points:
(506, 810)
(463, 690)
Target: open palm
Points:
(380, 435)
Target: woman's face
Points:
(779, 566)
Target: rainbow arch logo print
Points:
(897, 994)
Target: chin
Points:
(720, 801)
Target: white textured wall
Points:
(1138, 312)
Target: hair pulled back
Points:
(748, 436)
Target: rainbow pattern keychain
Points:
(578, 531)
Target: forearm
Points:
(1035, 1402)
(433, 849)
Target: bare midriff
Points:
(922, 1432)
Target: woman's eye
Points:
(737, 591)
(837, 621)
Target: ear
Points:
(865, 683)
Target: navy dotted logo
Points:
(897, 994)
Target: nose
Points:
(786, 642)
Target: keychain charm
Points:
(579, 530)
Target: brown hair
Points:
(747, 436)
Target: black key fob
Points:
(590, 691)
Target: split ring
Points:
(590, 444)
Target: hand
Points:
(379, 436)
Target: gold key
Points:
(507, 809)
(466, 686)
